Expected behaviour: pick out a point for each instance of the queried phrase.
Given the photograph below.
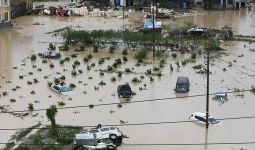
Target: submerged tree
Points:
(51, 113)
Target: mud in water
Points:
(25, 39)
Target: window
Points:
(104, 129)
(230, 2)
(6, 2)
(0, 16)
(6, 16)
(216, 1)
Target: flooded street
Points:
(17, 43)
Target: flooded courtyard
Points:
(17, 43)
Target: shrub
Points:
(62, 77)
(67, 59)
(73, 55)
(52, 47)
(194, 56)
(124, 52)
(118, 61)
(61, 103)
(33, 57)
(82, 48)
(109, 68)
(142, 54)
(85, 59)
(148, 71)
(197, 67)
(62, 61)
(52, 65)
(95, 48)
(101, 73)
(101, 83)
(101, 61)
(174, 55)
(72, 85)
(76, 62)
(125, 58)
(30, 106)
(44, 61)
(113, 79)
(127, 70)
(253, 89)
(119, 73)
(135, 79)
(56, 81)
(12, 100)
(90, 56)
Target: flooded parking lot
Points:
(25, 39)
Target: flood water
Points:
(16, 44)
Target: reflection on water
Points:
(20, 42)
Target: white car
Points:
(221, 96)
(107, 138)
(62, 89)
(201, 117)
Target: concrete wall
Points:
(3, 9)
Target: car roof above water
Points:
(183, 80)
(89, 134)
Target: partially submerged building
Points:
(5, 10)
(221, 4)
(21, 7)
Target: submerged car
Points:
(107, 138)
(201, 117)
(221, 96)
(124, 91)
(182, 85)
(50, 55)
(62, 89)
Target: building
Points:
(221, 4)
(21, 7)
(5, 10)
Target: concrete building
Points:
(5, 11)
(21, 7)
(221, 4)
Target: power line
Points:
(150, 144)
(117, 103)
(237, 65)
(232, 77)
(237, 68)
(135, 124)
(191, 144)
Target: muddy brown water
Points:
(23, 40)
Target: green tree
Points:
(51, 113)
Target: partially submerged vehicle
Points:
(124, 91)
(62, 89)
(201, 117)
(50, 55)
(182, 85)
(107, 138)
(221, 96)
(197, 31)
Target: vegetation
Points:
(51, 113)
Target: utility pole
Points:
(207, 92)
(153, 27)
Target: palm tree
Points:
(51, 114)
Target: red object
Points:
(61, 11)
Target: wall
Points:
(5, 8)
